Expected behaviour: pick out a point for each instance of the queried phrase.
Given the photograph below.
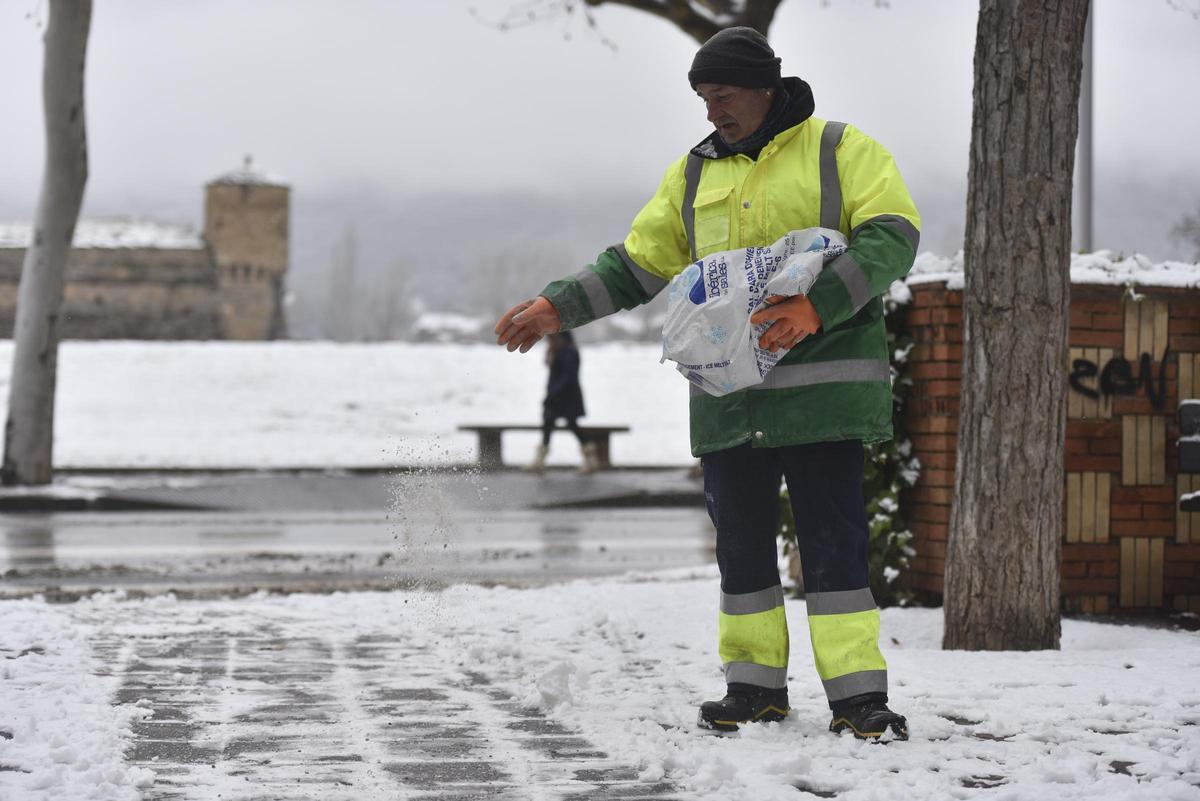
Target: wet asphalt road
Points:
(228, 535)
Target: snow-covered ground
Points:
(321, 404)
(1114, 715)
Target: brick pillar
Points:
(931, 419)
(1126, 545)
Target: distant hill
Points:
(471, 253)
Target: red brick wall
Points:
(1126, 546)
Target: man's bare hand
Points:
(526, 323)
(795, 318)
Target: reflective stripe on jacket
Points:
(836, 384)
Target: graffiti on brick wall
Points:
(1116, 378)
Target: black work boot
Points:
(869, 721)
(744, 703)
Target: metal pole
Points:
(1083, 151)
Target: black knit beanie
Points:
(736, 57)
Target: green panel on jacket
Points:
(847, 410)
(571, 300)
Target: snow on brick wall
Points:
(1133, 356)
(1102, 268)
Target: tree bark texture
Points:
(29, 430)
(1002, 563)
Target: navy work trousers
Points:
(824, 480)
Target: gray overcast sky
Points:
(411, 97)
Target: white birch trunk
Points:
(29, 431)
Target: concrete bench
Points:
(489, 440)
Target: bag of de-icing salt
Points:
(707, 329)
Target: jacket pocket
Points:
(714, 210)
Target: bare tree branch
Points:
(699, 19)
(682, 15)
(1186, 6)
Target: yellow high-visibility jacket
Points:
(834, 385)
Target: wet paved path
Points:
(255, 709)
(246, 705)
(233, 535)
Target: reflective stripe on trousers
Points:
(844, 630)
(753, 640)
(741, 487)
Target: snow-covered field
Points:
(321, 404)
(1114, 715)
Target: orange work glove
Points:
(795, 318)
(526, 323)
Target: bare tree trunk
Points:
(1002, 564)
(29, 432)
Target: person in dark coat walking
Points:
(564, 400)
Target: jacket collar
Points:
(798, 107)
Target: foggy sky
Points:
(404, 98)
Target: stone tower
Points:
(246, 228)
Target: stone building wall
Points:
(1126, 546)
(126, 293)
(228, 284)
